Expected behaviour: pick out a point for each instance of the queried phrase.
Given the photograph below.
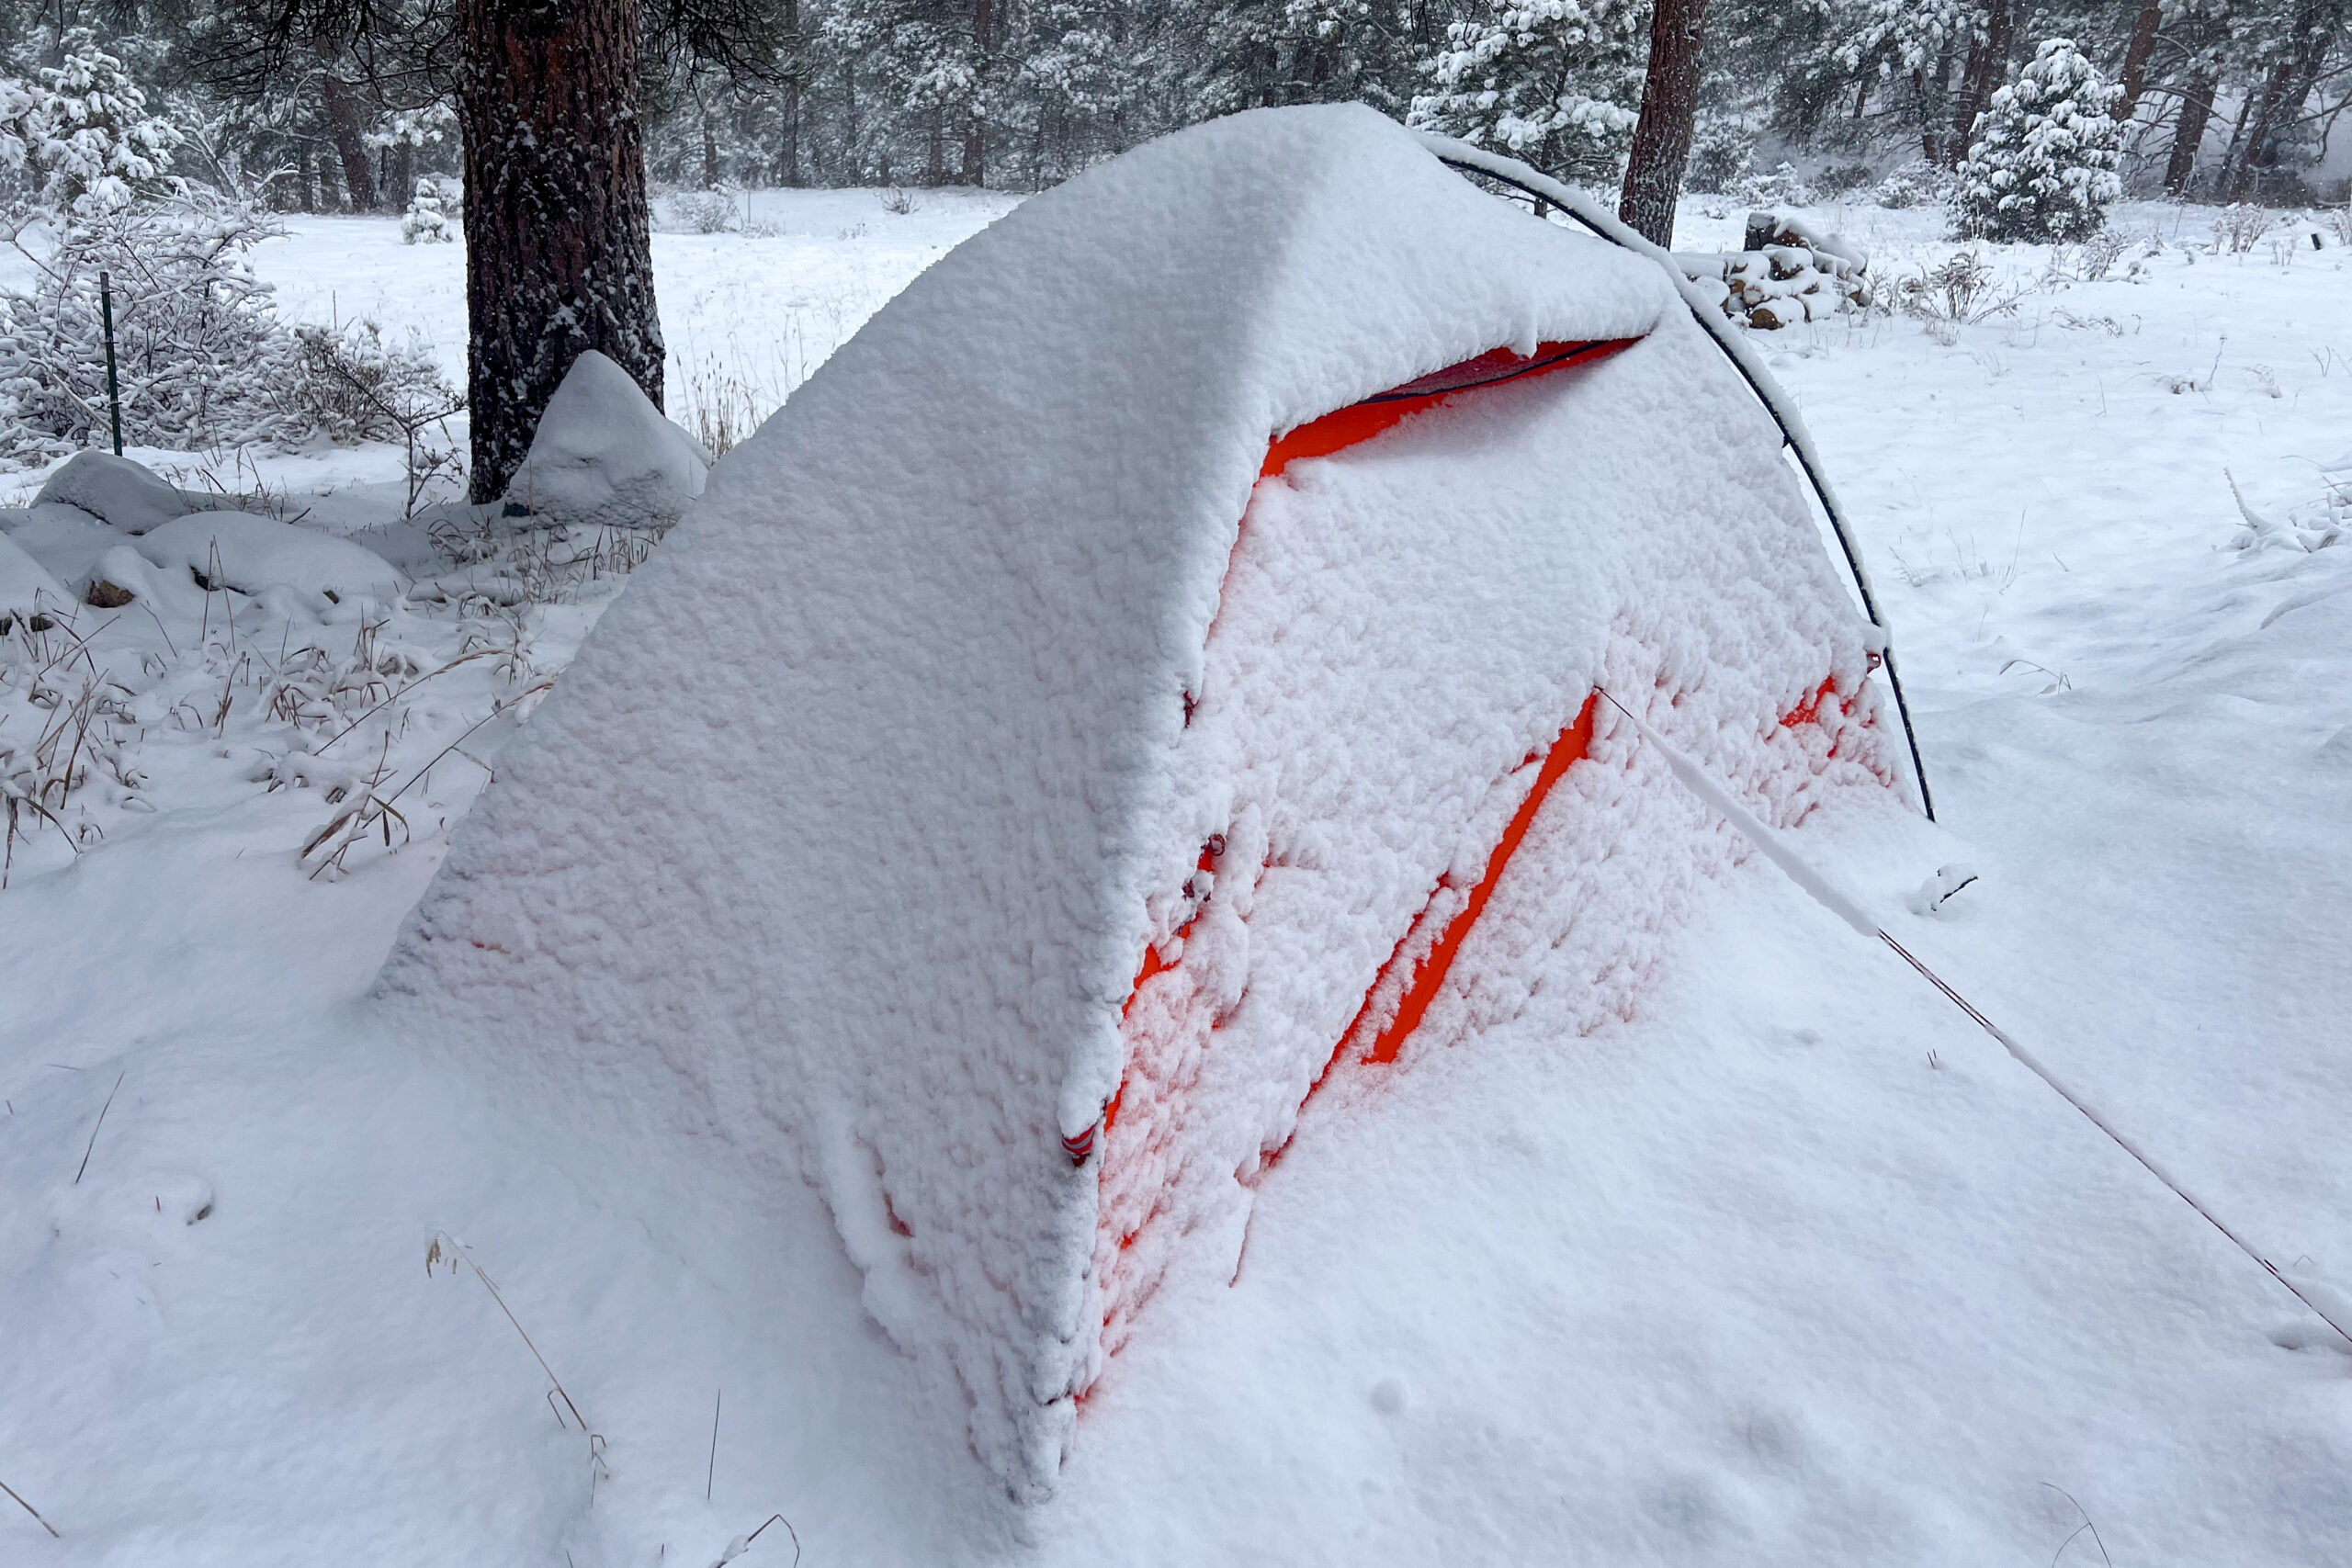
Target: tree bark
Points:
(975, 128)
(2189, 134)
(1988, 64)
(559, 249)
(403, 187)
(1662, 134)
(2319, 24)
(348, 132)
(2143, 49)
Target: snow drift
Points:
(604, 456)
(1016, 788)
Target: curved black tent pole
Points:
(1541, 187)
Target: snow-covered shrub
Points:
(1549, 81)
(1915, 184)
(1782, 187)
(1962, 291)
(1840, 179)
(2238, 226)
(432, 217)
(1720, 154)
(704, 212)
(2042, 162)
(203, 360)
(78, 137)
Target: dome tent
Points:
(1144, 679)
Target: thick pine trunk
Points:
(1988, 65)
(2189, 134)
(1669, 105)
(2135, 60)
(346, 127)
(1980, 77)
(403, 187)
(558, 254)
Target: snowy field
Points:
(1792, 1267)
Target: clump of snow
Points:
(63, 538)
(1036, 697)
(260, 555)
(604, 455)
(25, 586)
(130, 495)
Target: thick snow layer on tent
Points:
(1125, 785)
(604, 456)
(127, 495)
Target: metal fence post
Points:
(114, 391)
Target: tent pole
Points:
(1542, 188)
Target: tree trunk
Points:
(349, 134)
(1662, 135)
(2196, 111)
(2275, 106)
(788, 156)
(709, 153)
(305, 192)
(975, 128)
(2135, 60)
(558, 252)
(403, 188)
(1988, 65)
(935, 169)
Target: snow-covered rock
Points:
(26, 585)
(130, 495)
(254, 554)
(63, 538)
(604, 455)
(1000, 728)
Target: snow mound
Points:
(1014, 789)
(129, 495)
(25, 586)
(256, 554)
(604, 456)
(64, 539)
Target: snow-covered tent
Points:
(1148, 678)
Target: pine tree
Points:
(1553, 82)
(80, 135)
(2042, 166)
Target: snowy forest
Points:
(1053, 783)
(345, 108)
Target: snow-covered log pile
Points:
(1044, 758)
(1789, 270)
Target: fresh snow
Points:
(1791, 1265)
(604, 456)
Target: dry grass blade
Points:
(44, 1523)
(100, 1123)
(457, 1254)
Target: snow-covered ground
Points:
(1794, 1267)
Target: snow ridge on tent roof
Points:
(840, 822)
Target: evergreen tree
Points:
(79, 134)
(1551, 82)
(2043, 164)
